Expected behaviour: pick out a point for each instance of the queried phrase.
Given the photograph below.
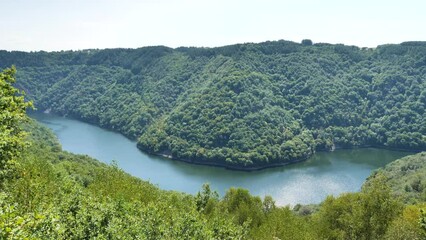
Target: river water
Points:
(326, 173)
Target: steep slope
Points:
(240, 106)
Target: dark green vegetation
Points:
(52, 194)
(242, 106)
(12, 113)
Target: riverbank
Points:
(273, 165)
(219, 164)
(228, 167)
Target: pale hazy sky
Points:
(51, 25)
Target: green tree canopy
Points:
(12, 113)
(240, 106)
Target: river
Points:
(326, 173)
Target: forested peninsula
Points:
(242, 106)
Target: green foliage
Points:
(307, 42)
(407, 177)
(406, 226)
(206, 200)
(364, 215)
(282, 223)
(422, 220)
(59, 195)
(246, 105)
(12, 112)
(244, 207)
(240, 106)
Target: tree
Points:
(205, 197)
(406, 225)
(12, 113)
(245, 207)
(422, 220)
(364, 215)
(307, 42)
(268, 204)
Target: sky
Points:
(54, 25)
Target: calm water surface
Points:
(307, 182)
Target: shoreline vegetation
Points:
(168, 156)
(259, 168)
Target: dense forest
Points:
(240, 106)
(47, 193)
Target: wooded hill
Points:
(241, 106)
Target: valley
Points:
(243, 106)
(311, 181)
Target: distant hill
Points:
(240, 106)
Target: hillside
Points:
(47, 193)
(407, 176)
(240, 106)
